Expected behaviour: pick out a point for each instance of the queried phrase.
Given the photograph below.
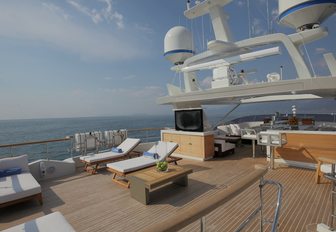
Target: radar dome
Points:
(178, 45)
(303, 14)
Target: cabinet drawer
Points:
(166, 137)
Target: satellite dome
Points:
(303, 14)
(178, 45)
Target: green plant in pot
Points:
(162, 166)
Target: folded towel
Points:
(150, 155)
(116, 150)
(10, 171)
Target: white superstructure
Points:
(222, 54)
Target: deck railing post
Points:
(202, 225)
(261, 204)
(47, 152)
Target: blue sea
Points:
(19, 131)
(28, 130)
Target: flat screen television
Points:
(189, 120)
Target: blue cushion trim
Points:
(304, 5)
(10, 172)
(178, 51)
(116, 150)
(151, 155)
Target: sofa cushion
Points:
(18, 186)
(51, 222)
(19, 161)
(235, 129)
(224, 129)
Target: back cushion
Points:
(235, 129)
(19, 161)
(225, 129)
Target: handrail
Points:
(66, 139)
(145, 129)
(35, 142)
(190, 214)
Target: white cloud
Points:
(97, 16)
(320, 50)
(240, 3)
(49, 24)
(144, 28)
(148, 92)
(56, 9)
(81, 102)
(128, 77)
(258, 28)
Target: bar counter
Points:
(303, 147)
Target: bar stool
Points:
(271, 139)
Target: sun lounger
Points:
(53, 222)
(94, 160)
(122, 168)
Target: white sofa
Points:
(54, 222)
(19, 187)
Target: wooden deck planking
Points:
(94, 203)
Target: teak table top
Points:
(152, 177)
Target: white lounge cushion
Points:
(326, 168)
(224, 129)
(19, 161)
(18, 186)
(54, 222)
(163, 149)
(235, 129)
(128, 145)
(130, 165)
(249, 136)
(101, 156)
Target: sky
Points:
(76, 58)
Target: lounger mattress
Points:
(18, 186)
(130, 165)
(101, 156)
(54, 222)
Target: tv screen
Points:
(189, 120)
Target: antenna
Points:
(249, 17)
(268, 23)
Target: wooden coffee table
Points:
(142, 182)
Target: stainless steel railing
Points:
(8, 150)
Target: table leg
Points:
(272, 157)
(253, 148)
(139, 191)
(183, 181)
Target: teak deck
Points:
(94, 203)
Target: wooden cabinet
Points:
(195, 145)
